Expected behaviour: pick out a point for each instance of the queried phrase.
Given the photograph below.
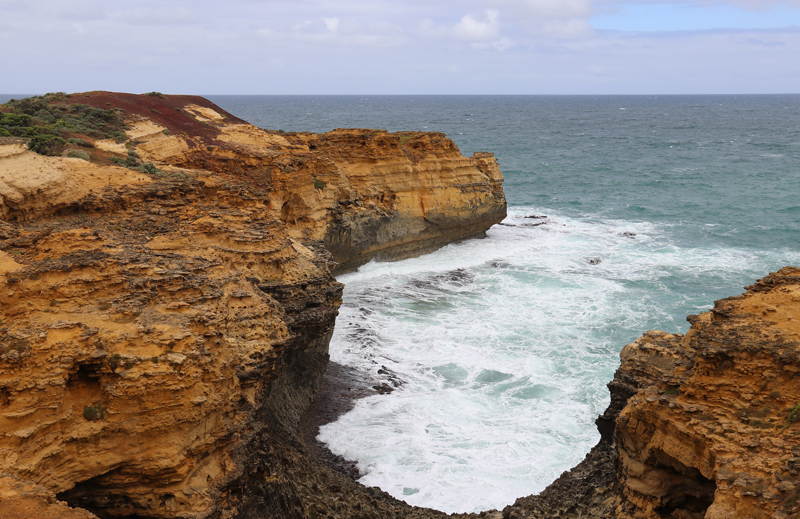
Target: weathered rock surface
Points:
(21, 499)
(161, 334)
(712, 434)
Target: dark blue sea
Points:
(626, 213)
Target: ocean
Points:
(626, 213)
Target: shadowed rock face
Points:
(712, 433)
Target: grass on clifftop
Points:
(50, 124)
(50, 121)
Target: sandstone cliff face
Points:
(429, 194)
(712, 433)
(161, 334)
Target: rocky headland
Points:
(166, 278)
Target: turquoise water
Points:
(626, 213)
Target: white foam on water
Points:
(504, 347)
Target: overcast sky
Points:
(401, 46)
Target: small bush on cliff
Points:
(149, 169)
(47, 145)
(319, 184)
(80, 142)
(76, 154)
(132, 159)
(94, 412)
(794, 416)
(132, 162)
(14, 119)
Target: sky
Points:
(401, 46)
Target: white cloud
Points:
(563, 29)
(332, 24)
(285, 46)
(559, 8)
(752, 5)
(472, 28)
(302, 25)
(499, 45)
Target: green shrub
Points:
(51, 114)
(132, 161)
(46, 116)
(80, 142)
(76, 154)
(15, 119)
(47, 145)
(24, 131)
(793, 417)
(94, 412)
(155, 94)
(150, 169)
(319, 184)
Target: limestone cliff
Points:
(167, 303)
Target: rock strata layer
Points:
(163, 328)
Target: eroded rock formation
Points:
(163, 328)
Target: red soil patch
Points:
(166, 111)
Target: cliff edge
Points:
(168, 298)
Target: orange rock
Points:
(161, 334)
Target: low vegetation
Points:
(50, 121)
(50, 145)
(77, 154)
(94, 412)
(132, 162)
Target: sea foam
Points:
(501, 349)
